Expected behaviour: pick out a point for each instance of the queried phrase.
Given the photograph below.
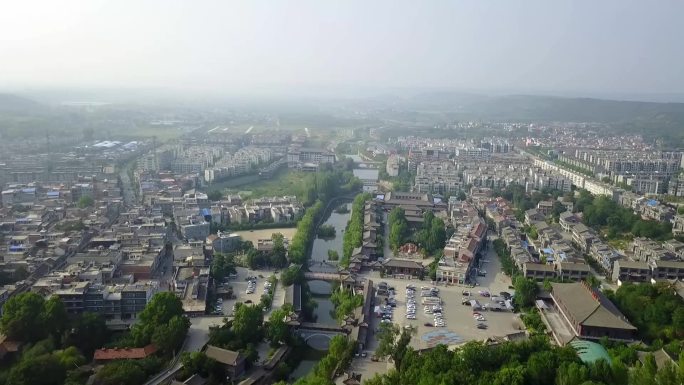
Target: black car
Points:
(481, 326)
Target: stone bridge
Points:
(322, 276)
(318, 336)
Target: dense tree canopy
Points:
(28, 317)
(277, 329)
(398, 227)
(656, 310)
(242, 334)
(305, 233)
(604, 213)
(339, 356)
(278, 256)
(353, 235)
(222, 266)
(85, 201)
(525, 291)
(162, 321)
(432, 235)
(345, 301)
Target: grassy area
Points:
(162, 133)
(620, 244)
(286, 182)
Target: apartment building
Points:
(392, 166)
(112, 301)
(308, 159)
(439, 177)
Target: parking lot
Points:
(459, 324)
(240, 286)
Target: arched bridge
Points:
(318, 335)
(322, 276)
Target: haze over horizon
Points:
(620, 49)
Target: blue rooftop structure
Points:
(652, 202)
(205, 212)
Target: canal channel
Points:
(321, 290)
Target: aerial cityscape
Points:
(172, 214)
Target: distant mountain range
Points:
(653, 120)
(10, 103)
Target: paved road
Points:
(127, 188)
(197, 337)
(387, 252)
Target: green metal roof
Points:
(590, 352)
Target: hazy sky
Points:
(609, 46)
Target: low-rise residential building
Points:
(573, 271)
(678, 224)
(539, 271)
(630, 271)
(667, 270)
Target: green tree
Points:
(525, 291)
(170, 337)
(121, 373)
(89, 332)
(85, 201)
(43, 370)
(345, 302)
(291, 275)
(510, 376)
(198, 362)
(161, 309)
(247, 323)
(70, 357)
(56, 317)
(222, 266)
(333, 255)
(279, 253)
(215, 195)
(22, 317)
(572, 373)
(277, 330)
(393, 342)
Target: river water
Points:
(320, 291)
(321, 246)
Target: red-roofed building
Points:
(103, 355)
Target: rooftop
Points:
(588, 306)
